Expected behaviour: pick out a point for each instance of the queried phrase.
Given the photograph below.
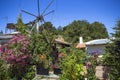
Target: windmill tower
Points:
(40, 16)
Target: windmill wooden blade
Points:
(49, 13)
(47, 7)
(39, 17)
(43, 20)
(38, 8)
(29, 13)
(31, 22)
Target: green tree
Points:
(73, 31)
(20, 26)
(88, 31)
(49, 31)
(59, 30)
(98, 31)
(112, 58)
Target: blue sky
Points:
(104, 11)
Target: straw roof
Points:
(60, 40)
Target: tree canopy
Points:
(112, 58)
(77, 28)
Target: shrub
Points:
(72, 66)
(16, 53)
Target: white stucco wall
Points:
(95, 48)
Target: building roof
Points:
(4, 36)
(8, 36)
(80, 45)
(98, 42)
(15, 32)
(60, 40)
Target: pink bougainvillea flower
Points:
(10, 52)
(87, 65)
(15, 51)
(26, 43)
(18, 60)
(60, 55)
(13, 42)
(11, 59)
(6, 45)
(19, 40)
(23, 57)
(0, 48)
(23, 48)
(3, 57)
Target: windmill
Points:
(40, 17)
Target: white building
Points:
(4, 38)
(97, 46)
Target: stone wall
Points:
(102, 72)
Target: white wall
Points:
(95, 48)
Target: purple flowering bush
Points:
(16, 51)
(17, 55)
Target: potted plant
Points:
(56, 63)
(43, 65)
(58, 57)
(56, 68)
(41, 52)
